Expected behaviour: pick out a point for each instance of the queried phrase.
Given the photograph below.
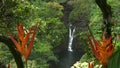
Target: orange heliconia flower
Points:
(22, 44)
(9, 65)
(90, 65)
(102, 50)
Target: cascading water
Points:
(71, 36)
(68, 57)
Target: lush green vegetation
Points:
(52, 30)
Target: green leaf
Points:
(114, 61)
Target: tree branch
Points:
(11, 47)
(107, 15)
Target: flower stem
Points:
(26, 64)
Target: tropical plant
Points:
(102, 51)
(22, 44)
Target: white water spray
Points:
(71, 36)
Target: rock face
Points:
(67, 10)
(62, 50)
(79, 26)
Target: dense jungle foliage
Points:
(52, 29)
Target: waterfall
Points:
(71, 36)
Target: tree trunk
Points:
(11, 46)
(107, 15)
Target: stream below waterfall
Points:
(67, 58)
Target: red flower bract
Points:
(21, 44)
(102, 51)
(90, 65)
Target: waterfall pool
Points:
(67, 58)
